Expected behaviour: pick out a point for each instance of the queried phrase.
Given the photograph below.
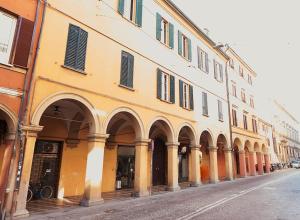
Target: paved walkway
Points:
(195, 203)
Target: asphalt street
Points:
(275, 197)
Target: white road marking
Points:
(224, 200)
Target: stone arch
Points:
(256, 147)
(190, 132)
(9, 117)
(206, 141)
(238, 143)
(222, 144)
(41, 108)
(264, 149)
(165, 125)
(131, 115)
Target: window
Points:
(245, 122)
(132, 10)
(186, 95)
(204, 104)
(231, 63)
(165, 87)
(241, 71)
(234, 90)
(218, 71)
(251, 102)
(203, 60)
(243, 96)
(164, 31)
(76, 48)
(234, 118)
(184, 46)
(8, 28)
(254, 125)
(249, 79)
(127, 63)
(220, 110)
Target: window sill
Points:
(221, 120)
(7, 64)
(188, 109)
(206, 115)
(76, 70)
(166, 45)
(130, 21)
(166, 101)
(126, 87)
(186, 58)
(204, 71)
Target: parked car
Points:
(295, 164)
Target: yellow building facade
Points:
(118, 103)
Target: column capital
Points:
(97, 137)
(195, 147)
(172, 144)
(212, 148)
(143, 142)
(242, 151)
(227, 149)
(31, 130)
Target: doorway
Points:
(45, 168)
(159, 163)
(125, 167)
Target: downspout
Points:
(14, 154)
(228, 101)
(24, 106)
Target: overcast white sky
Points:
(265, 33)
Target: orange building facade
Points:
(20, 26)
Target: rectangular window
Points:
(252, 102)
(76, 48)
(203, 60)
(165, 86)
(234, 118)
(184, 46)
(220, 110)
(241, 71)
(127, 64)
(218, 71)
(254, 125)
(186, 95)
(8, 28)
(245, 122)
(231, 63)
(243, 96)
(164, 31)
(131, 10)
(204, 104)
(249, 79)
(234, 90)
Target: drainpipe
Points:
(228, 100)
(17, 157)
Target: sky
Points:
(265, 33)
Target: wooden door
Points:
(159, 163)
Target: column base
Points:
(173, 189)
(195, 184)
(229, 178)
(141, 194)
(214, 181)
(89, 203)
(19, 214)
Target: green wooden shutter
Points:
(204, 103)
(191, 98)
(190, 49)
(139, 13)
(221, 73)
(124, 68)
(159, 75)
(158, 26)
(215, 70)
(72, 43)
(172, 89)
(206, 63)
(171, 35)
(179, 43)
(180, 93)
(81, 50)
(130, 70)
(121, 7)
